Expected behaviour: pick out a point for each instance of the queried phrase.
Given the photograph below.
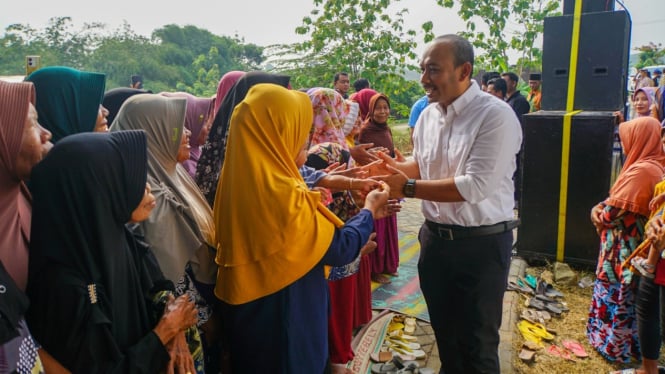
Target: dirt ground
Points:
(570, 325)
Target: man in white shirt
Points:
(462, 168)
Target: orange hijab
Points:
(271, 228)
(643, 167)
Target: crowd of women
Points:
(146, 233)
(628, 302)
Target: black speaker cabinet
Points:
(602, 62)
(589, 178)
(588, 6)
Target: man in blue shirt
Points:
(417, 107)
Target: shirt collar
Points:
(463, 101)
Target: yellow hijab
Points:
(271, 228)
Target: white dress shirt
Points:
(475, 140)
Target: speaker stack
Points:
(555, 222)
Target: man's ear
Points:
(466, 70)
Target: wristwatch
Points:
(409, 189)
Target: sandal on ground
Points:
(409, 325)
(547, 290)
(527, 355)
(557, 351)
(514, 286)
(643, 267)
(575, 347)
(381, 356)
(383, 368)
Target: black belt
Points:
(454, 232)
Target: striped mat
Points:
(403, 294)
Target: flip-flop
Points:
(537, 329)
(575, 347)
(515, 286)
(381, 356)
(400, 335)
(526, 355)
(409, 325)
(383, 368)
(555, 350)
(528, 334)
(531, 281)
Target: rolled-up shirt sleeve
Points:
(491, 156)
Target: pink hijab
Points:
(15, 201)
(330, 112)
(225, 84)
(363, 97)
(643, 167)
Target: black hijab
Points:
(86, 273)
(113, 100)
(212, 156)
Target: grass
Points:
(401, 136)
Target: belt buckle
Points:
(445, 233)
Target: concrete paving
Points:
(409, 221)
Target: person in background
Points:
(224, 86)
(136, 82)
(497, 87)
(619, 221)
(341, 84)
(180, 232)
(272, 288)
(375, 130)
(416, 109)
(643, 79)
(114, 98)
(486, 77)
(70, 101)
(465, 144)
(213, 152)
(656, 77)
(535, 94)
(198, 121)
(360, 84)
(25, 143)
(514, 98)
(90, 281)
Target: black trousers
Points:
(650, 306)
(463, 282)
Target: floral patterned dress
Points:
(612, 324)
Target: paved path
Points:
(409, 221)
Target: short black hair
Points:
(337, 75)
(488, 76)
(462, 49)
(499, 85)
(513, 77)
(360, 83)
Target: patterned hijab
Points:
(330, 112)
(15, 99)
(261, 187)
(199, 110)
(224, 86)
(181, 223)
(213, 152)
(69, 99)
(643, 167)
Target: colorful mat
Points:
(403, 294)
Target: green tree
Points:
(525, 18)
(650, 54)
(361, 37)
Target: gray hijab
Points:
(180, 228)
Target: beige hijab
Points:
(180, 228)
(15, 99)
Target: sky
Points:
(266, 22)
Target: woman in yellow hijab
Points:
(274, 238)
